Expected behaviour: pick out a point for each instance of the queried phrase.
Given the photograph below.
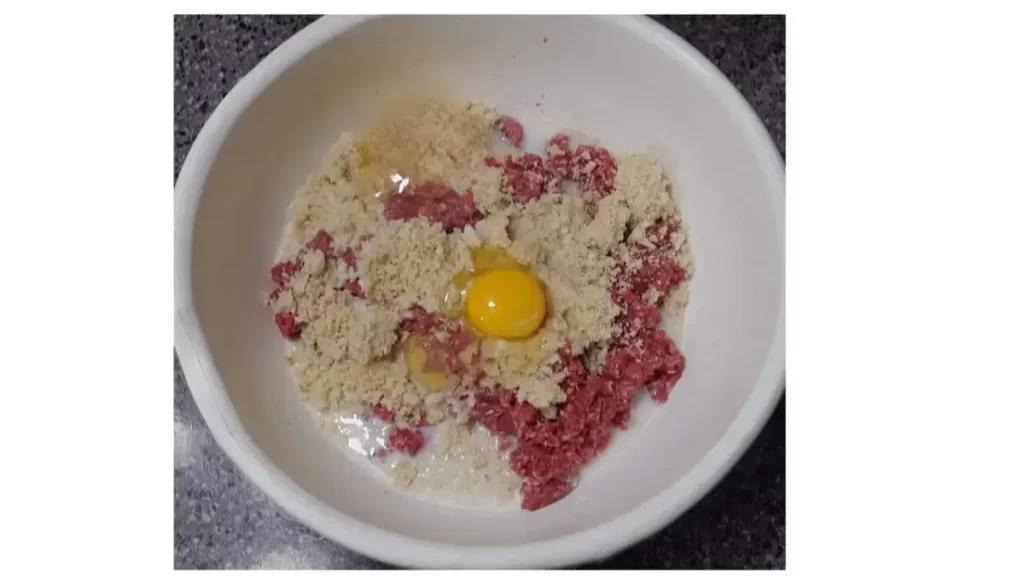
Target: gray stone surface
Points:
(222, 521)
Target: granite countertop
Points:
(222, 521)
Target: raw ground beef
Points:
(512, 130)
(659, 272)
(501, 413)
(352, 286)
(664, 363)
(527, 178)
(348, 255)
(537, 496)
(288, 324)
(637, 316)
(643, 342)
(661, 232)
(419, 321)
(549, 453)
(323, 242)
(435, 202)
(383, 413)
(593, 168)
(559, 153)
(406, 440)
(530, 176)
(282, 273)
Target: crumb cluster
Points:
(395, 212)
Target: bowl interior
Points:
(590, 74)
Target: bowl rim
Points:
(592, 544)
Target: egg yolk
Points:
(416, 360)
(506, 303)
(485, 259)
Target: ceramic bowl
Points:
(631, 83)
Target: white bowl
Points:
(628, 81)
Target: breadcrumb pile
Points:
(350, 279)
(462, 462)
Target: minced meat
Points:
(658, 270)
(537, 496)
(593, 168)
(323, 242)
(512, 130)
(406, 440)
(610, 263)
(383, 413)
(282, 272)
(435, 202)
(549, 453)
(288, 324)
(502, 413)
(527, 178)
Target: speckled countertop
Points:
(222, 521)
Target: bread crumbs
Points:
(465, 466)
(382, 238)
(431, 141)
(547, 234)
(404, 474)
(411, 263)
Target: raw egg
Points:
(500, 297)
(506, 304)
(416, 360)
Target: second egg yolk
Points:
(506, 303)
(416, 361)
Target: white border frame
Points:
(589, 545)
